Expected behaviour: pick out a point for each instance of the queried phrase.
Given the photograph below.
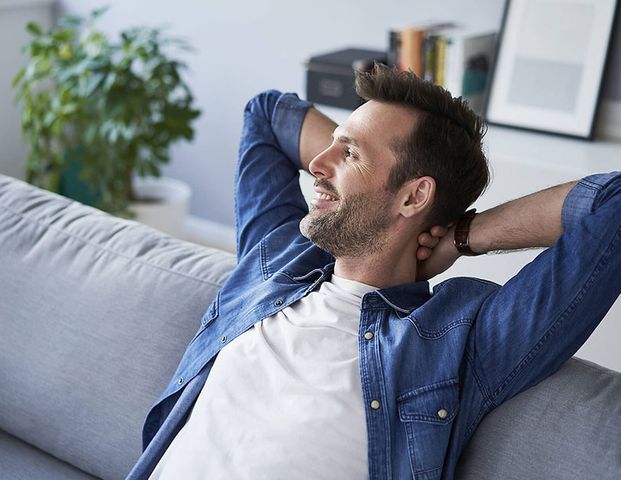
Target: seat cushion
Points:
(21, 461)
(95, 313)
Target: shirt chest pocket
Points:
(427, 415)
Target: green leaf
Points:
(69, 108)
(71, 21)
(153, 169)
(34, 28)
(49, 118)
(64, 35)
(99, 12)
(91, 84)
(18, 77)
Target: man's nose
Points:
(322, 166)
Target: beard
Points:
(356, 228)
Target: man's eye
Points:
(349, 153)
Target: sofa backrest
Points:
(95, 314)
(567, 427)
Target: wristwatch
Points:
(462, 230)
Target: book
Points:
(440, 70)
(411, 48)
(429, 55)
(393, 56)
(452, 56)
(412, 54)
(466, 64)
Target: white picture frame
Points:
(549, 65)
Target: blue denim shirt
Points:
(437, 362)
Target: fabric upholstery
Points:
(95, 313)
(21, 461)
(567, 427)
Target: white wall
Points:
(245, 47)
(241, 49)
(14, 14)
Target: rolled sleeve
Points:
(287, 122)
(581, 199)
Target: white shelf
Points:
(552, 151)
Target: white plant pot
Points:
(163, 203)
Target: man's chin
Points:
(305, 227)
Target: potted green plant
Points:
(98, 114)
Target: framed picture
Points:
(549, 65)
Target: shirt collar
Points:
(403, 298)
(406, 297)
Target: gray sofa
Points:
(95, 313)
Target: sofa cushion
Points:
(21, 461)
(567, 427)
(96, 312)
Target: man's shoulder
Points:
(476, 283)
(285, 249)
(463, 293)
(454, 304)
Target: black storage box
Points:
(330, 77)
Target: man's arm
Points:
(527, 222)
(526, 329)
(316, 135)
(530, 221)
(267, 191)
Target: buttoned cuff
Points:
(580, 199)
(287, 120)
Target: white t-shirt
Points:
(283, 400)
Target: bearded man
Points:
(325, 355)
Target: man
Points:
(325, 355)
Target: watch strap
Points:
(462, 232)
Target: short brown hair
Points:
(446, 143)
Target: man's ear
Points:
(416, 196)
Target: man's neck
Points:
(394, 265)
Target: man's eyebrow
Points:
(346, 139)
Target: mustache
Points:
(326, 186)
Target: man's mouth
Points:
(325, 196)
(323, 199)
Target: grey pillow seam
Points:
(105, 249)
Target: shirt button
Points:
(223, 339)
(442, 413)
(278, 303)
(375, 404)
(180, 381)
(368, 335)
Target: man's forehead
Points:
(376, 122)
(341, 134)
(386, 111)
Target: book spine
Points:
(429, 57)
(440, 63)
(453, 66)
(411, 50)
(478, 53)
(394, 49)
